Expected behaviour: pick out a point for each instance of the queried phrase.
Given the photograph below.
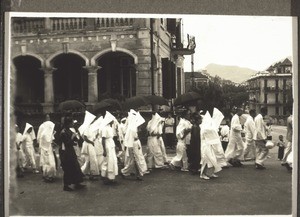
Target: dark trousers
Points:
(169, 140)
(224, 145)
(280, 152)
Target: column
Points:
(48, 90)
(92, 83)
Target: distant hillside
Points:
(233, 73)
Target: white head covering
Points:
(27, 127)
(47, 131)
(208, 131)
(154, 122)
(134, 121)
(108, 118)
(182, 125)
(217, 118)
(97, 125)
(88, 118)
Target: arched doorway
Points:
(70, 79)
(29, 80)
(117, 75)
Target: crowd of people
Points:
(107, 146)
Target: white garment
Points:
(235, 148)
(210, 143)
(180, 160)
(110, 164)
(20, 153)
(250, 131)
(261, 128)
(29, 150)
(88, 151)
(47, 159)
(155, 156)
(225, 133)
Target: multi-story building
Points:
(197, 79)
(272, 89)
(87, 59)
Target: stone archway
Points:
(29, 80)
(117, 75)
(70, 79)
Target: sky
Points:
(254, 42)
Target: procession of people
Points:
(106, 145)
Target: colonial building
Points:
(197, 79)
(87, 59)
(272, 89)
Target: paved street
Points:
(242, 191)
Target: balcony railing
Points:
(60, 24)
(46, 25)
(272, 89)
(26, 26)
(112, 22)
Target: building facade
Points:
(87, 59)
(272, 89)
(197, 79)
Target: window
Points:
(284, 84)
(277, 110)
(284, 110)
(266, 98)
(276, 97)
(265, 83)
(276, 84)
(284, 98)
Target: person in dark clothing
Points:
(195, 146)
(68, 158)
(281, 146)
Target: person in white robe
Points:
(210, 140)
(135, 160)
(47, 160)
(219, 152)
(109, 169)
(90, 166)
(160, 126)
(260, 138)
(182, 130)
(155, 157)
(224, 135)
(121, 134)
(20, 153)
(250, 131)
(287, 159)
(96, 128)
(27, 140)
(235, 148)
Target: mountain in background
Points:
(233, 73)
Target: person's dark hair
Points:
(252, 112)
(264, 110)
(196, 116)
(68, 121)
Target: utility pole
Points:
(151, 49)
(192, 67)
(151, 53)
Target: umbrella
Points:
(135, 102)
(115, 103)
(187, 98)
(156, 100)
(101, 106)
(70, 105)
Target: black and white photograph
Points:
(150, 114)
